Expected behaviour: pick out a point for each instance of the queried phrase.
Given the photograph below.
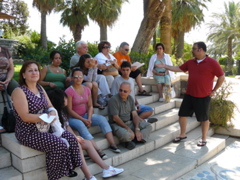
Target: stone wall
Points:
(9, 43)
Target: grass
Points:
(17, 67)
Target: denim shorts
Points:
(144, 108)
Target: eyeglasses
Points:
(78, 76)
(194, 48)
(126, 49)
(106, 47)
(120, 90)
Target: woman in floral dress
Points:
(30, 101)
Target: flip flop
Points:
(201, 143)
(143, 93)
(101, 107)
(178, 139)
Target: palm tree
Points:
(186, 14)
(152, 16)
(166, 26)
(105, 13)
(45, 7)
(75, 16)
(225, 29)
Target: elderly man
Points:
(121, 56)
(202, 70)
(124, 120)
(81, 48)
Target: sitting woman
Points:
(162, 76)
(53, 76)
(107, 63)
(89, 67)
(30, 101)
(6, 73)
(59, 101)
(81, 113)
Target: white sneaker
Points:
(161, 99)
(111, 171)
(92, 178)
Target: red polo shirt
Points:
(201, 76)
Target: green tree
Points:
(186, 14)
(45, 7)
(75, 16)
(225, 29)
(17, 26)
(105, 13)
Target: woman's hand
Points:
(80, 139)
(52, 85)
(87, 123)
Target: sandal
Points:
(178, 139)
(101, 107)
(143, 93)
(102, 154)
(72, 173)
(2, 130)
(201, 143)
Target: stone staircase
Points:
(156, 159)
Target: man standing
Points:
(124, 120)
(81, 48)
(202, 70)
(121, 56)
(143, 111)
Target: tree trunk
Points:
(179, 45)
(103, 32)
(43, 38)
(229, 62)
(77, 32)
(154, 39)
(148, 26)
(166, 26)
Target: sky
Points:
(124, 29)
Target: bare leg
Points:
(205, 127)
(88, 147)
(84, 167)
(139, 82)
(145, 115)
(110, 139)
(183, 126)
(95, 93)
(160, 90)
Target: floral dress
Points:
(59, 159)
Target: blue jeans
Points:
(97, 120)
(144, 108)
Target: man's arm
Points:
(119, 121)
(171, 68)
(136, 120)
(220, 80)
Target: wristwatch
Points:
(137, 129)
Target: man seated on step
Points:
(124, 120)
(121, 56)
(143, 111)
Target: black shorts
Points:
(192, 104)
(133, 74)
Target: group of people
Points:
(73, 103)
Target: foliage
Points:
(222, 109)
(142, 58)
(17, 26)
(223, 60)
(93, 49)
(225, 31)
(17, 67)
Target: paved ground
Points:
(226, 165)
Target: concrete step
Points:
(173, 159)
(5, 158)
(24, 158)
(10, 173)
